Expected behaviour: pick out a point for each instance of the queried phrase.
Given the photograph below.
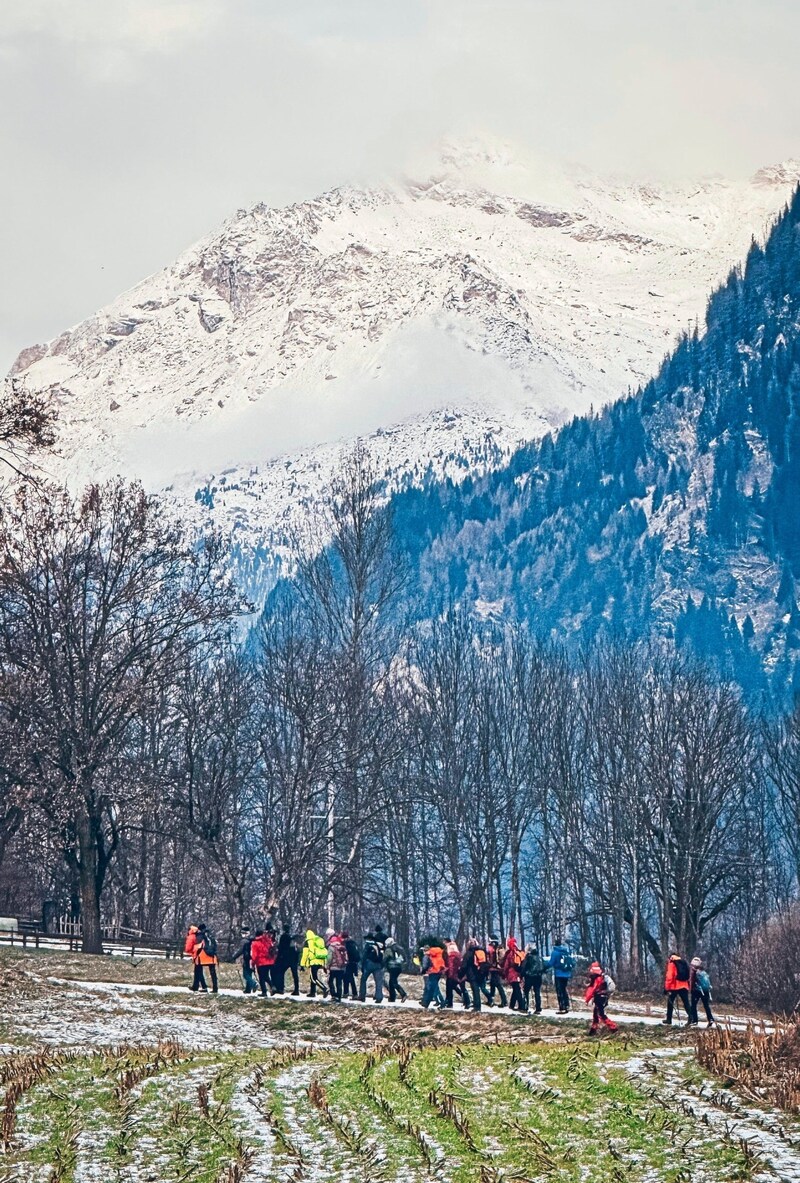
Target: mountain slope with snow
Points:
(455, 316)
(672, 513)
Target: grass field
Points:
(148, 1086)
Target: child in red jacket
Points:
(598, 992)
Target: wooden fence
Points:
(66, 936)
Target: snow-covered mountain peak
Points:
(500, 294)
(779, 175)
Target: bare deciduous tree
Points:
(100, 598)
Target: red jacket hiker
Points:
(453, 962)
(511, 962)
(597, 995)
(263, 950)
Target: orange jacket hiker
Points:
(191, 941)
(674, 980)
(200, 956)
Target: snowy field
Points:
(111, 1071)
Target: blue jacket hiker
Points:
(562, 964)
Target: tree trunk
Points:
(516, 890)
(92, 937)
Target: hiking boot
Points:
(666, 1022)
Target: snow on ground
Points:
(722, 1113)
(89, 1014)
(251, 1120)
(118, 1011)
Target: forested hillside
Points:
(673, 511)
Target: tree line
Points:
(165, 754)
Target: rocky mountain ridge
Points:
(449, 319)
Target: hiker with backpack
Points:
(380, 937)
(454, 981)
(337, 963)
(433, 967)
(205, 957)
(262, 956)
(189, 944)
(495, 959)
(243, 954)
(351, 969)
(371, 967)
(562, 964)
(532, 971)
(676, 985)
(294, 954)
(282, 959)
(511, 972)
(315, 958)
(598, 991)
(474, 970)
(394, 961)
(699, 990)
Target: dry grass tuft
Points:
(764, 1065)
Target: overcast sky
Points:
(129, 128)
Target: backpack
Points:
(533, 965)
(437, 959)
(372, 953)
(189, 943)
(338, 955)
(610, 984)
(395, 958)
(682, 969)
(563, 963)
(479, 960)
(703, 981)
(210, 944)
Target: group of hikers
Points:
(478, 974)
